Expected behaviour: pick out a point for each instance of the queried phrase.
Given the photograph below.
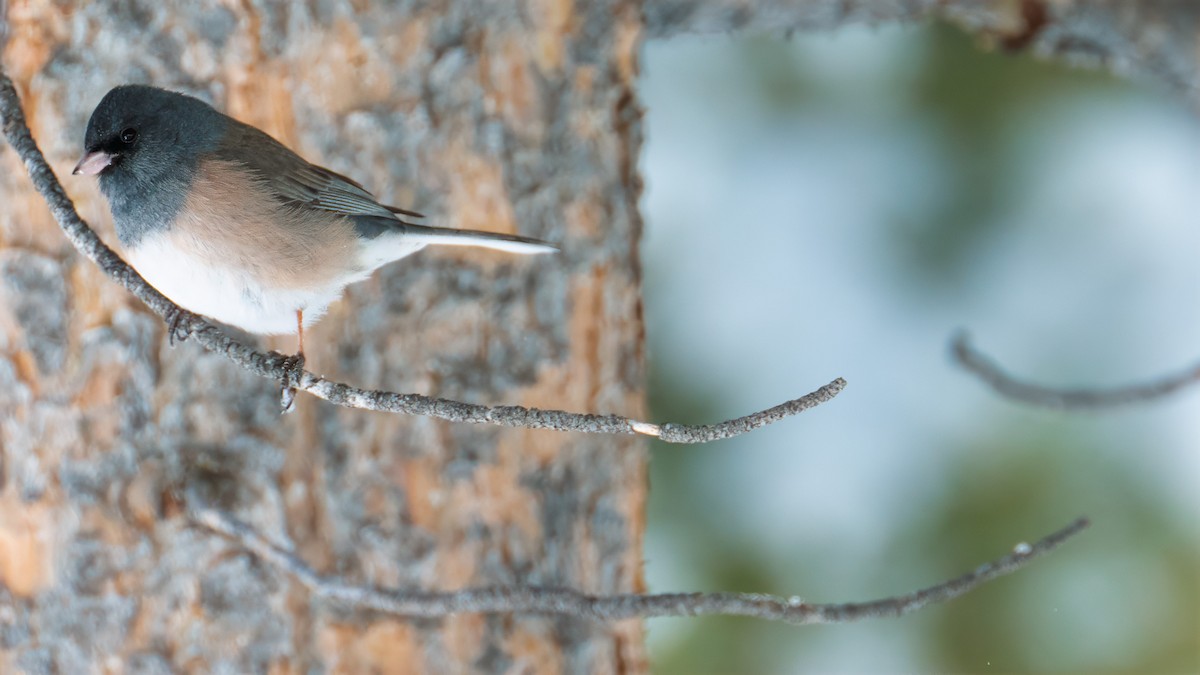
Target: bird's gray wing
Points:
(298, 182)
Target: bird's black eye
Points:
(128, 136)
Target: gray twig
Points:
(275, 366)
(542, 600)
(1157, 38)
(1018, 390)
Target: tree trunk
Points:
(512, 117)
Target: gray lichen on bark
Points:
(495, 117)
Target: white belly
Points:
(225, 293)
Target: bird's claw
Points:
(178, 325)
(293, 373)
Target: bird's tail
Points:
(494, 240)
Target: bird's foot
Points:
(178, 325)
(293, 373)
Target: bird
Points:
(229, 223)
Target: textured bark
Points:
(502, 116)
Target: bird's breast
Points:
(239, 256)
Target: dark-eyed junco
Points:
(227, 222)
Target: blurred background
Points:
(838, 205)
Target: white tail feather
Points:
(498, 242)
(377, 252)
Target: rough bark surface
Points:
(502, 116)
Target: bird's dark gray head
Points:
(144, 144)
(142, 131)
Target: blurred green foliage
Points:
(974, 95)
(1019, 482)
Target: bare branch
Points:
(1156, 37)
(279, 367)
(538, 600)
(1010, 387)
(669, 18)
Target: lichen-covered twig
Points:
(978, 364)
(538, 600)
(277, 366)
(1152, 37)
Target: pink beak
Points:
(93, 163)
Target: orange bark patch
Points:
(283, 667)
(27, 370)
(36, 28)
(143, 625)
(103, 384)
(478, 199)
(585, 80)
(538, 446)
(585, 216)
(510, 89)
(142, 497)
(573, 385)
(627, 38)
(533, 653)
(262, 99)
(463, 634)
(259, 91)
(457, 561)
(422, 484)
(386, 648)
(630, 637)
(404, 45)
(587, 366)
(93, 297)
(352, 72)
(496, 497)
(555, 22)
(25, 220)
(26, 545)
(106, 526)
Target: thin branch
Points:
(279, 367)
(1028, 393)
(1155, 37)
(539, 600)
